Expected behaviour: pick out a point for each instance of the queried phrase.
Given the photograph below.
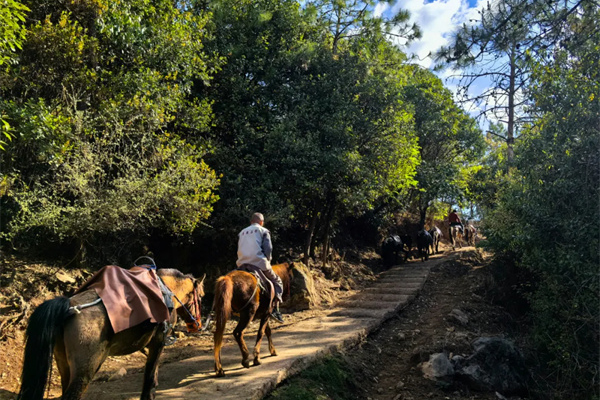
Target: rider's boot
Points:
(276, 314)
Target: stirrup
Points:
(276, 315)
(170, 340)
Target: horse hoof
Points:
(274, 353)
(246, 364)
(221, 372)
(257, 362)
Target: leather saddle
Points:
(267, 289)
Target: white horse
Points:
(456, 236)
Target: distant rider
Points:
(454, 220)
(255, 248)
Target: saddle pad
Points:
(130, 296)
(264, 282)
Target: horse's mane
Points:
(175, 273)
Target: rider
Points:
(454, 220)
(255, 248)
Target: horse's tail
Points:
(45, 325)
(222, 299)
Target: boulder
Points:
(496, 365)
(459, 316)
(438, 368)
(303, 294)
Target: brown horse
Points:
(470, 234)
(238, 291)
(81, 340)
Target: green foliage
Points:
(12, 34)
(98, 102)
(328, 379)
(450, 142)
(548, 210)
(309, 133)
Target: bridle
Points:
(195, 323)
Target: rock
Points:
(459, 316)
(400, 385)
(64, 277)
(398, 396)
(496, 365)
(401, 336)
(118, 375)
(303, 293)
(500, 397)
(438, 367)
(457, 362)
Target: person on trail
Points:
(255, 248)
(454, 219)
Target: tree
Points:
(545, 219)
(311, 135)
(449, 141)
(98, 101)
(495, 50)
(349, 19)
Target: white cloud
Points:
(437, 19)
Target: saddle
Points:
(267, 289)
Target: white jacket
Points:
(255, 247)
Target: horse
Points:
(470, 234)
(407, 241)
(436, 235)
(456, 236)
(390, 250)
(78, 332)
(424, 241)
(239, 292)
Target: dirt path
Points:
(187, 370)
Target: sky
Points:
(438, 20)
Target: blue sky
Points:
(438, 19)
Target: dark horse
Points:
(82, 339)
(391, 249)
(424, 241)
(239, 292)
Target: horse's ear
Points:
(200, 281)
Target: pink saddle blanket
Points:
(130, 296)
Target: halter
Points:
(193, 326)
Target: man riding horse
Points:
(255, 248)
(454, 220)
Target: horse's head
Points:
(188, 292)
(284, 271)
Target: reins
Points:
(197, 302)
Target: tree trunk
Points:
(328, 218)
(309, 239)
(510, 137)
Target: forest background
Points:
(129, 126)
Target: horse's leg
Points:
(155, 349)
(259, 336)
(83, 368)
(62, 364)
(268, 333)
(238, 334)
